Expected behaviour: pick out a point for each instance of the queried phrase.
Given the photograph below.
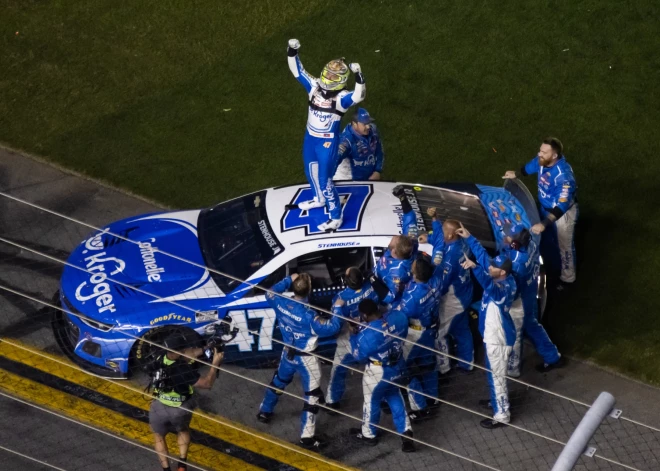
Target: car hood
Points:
(117, 273)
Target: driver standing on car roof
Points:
(301, 327)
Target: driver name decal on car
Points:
(353, 198)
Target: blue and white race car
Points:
(146, 276)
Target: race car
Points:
(144, 277)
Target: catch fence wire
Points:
(462, 440)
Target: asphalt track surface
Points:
(231, 437)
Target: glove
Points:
(399, 191)
(354, 66)
(294, 44)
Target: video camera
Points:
(220, 334)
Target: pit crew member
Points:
(456, 291)
(558, 200)
(495, 323)
(360, 155)
(377, 345)
(300, 326)
(328, 101)
(522, 251)
(171, 410)
(346, 305)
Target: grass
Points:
(190, 103)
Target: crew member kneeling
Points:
(175, 379)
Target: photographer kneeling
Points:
(174, 378)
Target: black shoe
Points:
(491, 424)
(407, 445)
(486, 404)
(356, 435)
(420, 415)
(331, 407)
(313, 443)
(385, 407)
(434, 405)
(264, 417)
(545, 367)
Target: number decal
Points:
(353, 198)
(245, 339)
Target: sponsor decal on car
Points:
(206, 316)
(100, 264)
(338, 244)
(147, 251)
(169, 317)
(268, 237)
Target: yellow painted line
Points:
(214, 425)
(86, 412)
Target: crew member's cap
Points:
(175, 342)
(363, 116)
(503, 263)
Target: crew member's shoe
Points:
(264, 417)
(420, 415)
(332, 407)
(407, 445)
(545, 367)
(492, 424)
(356, 435)
(311, 204)
(331, 225)
(313, 443)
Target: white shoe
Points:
(331, 225)
(311, 204)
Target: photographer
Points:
(174, 380)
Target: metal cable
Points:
(27, 457)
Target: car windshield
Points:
(237, 239)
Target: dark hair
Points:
(354, 279)
(404, 247)
(556, 145)
(521, 240)
(302, 285)
(368, 307)
(423, 269)
(176, 341)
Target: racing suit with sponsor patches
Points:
(352, 298)
(496, 328)
(455, 302)
(524, 310)
(382, 352)
(420, 305)
(300, 327)
(359, 156)
(393, 272)
(557, 195)
(322, 137)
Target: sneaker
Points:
(264, 417)
(433, 405)
(407, 445)
(491, 424)
(420, 415)
(331, 225)
(545, 367)
(356, 435)
(313, 443)
(332, 407)
(311, 204)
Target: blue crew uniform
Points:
(376, 346)
(420, 304)
(456, 292)
(524, 310)
(343, 355)
(496, 328)
(300, 327)
(557, 195)
(395, 273)
(326, 108)
(362, 154)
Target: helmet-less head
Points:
(334, 75)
